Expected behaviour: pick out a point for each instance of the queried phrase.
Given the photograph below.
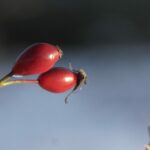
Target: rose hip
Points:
(36, 59)
(60, 80)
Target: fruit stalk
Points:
(12, 82)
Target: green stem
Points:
(12, 82)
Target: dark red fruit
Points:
(60, 79)
(36, 59)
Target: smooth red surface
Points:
(58, 80)
(36, 59)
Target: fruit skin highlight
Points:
(36, 59)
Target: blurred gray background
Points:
(111, 41)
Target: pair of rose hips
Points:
(39, 59)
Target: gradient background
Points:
(111, 41)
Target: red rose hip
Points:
(36, 59)
(60, 80)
